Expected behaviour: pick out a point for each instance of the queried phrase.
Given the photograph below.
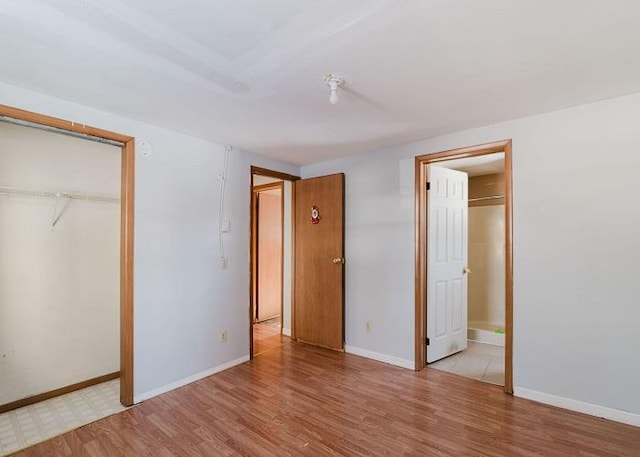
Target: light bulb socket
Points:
(334, 82)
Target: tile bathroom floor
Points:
(32, 424)
(481, 361)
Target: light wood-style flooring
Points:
(302, 400)
(267, 336)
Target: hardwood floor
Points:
(302, 400)
(267, 336)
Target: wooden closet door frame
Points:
(421, 163)
(253, 248)
(126, 230)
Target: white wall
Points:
(486, 260)
(60, 288)
(576, 225)
(182, 299)
(575, 235)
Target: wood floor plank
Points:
(267, 336)
(302, 400)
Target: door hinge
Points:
(426, 341)
(428, 186)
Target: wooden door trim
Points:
(293, 260)
(252, 241)
(421, 163)
(126, 231)
(282, 257)
(270, 186)
(57, 392)
(272, 174)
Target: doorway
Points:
(464, 262)
(312, 265)
(268, 264)
(271, 259)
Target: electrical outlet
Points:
(224, 263)
(368, 326)
(223, 336)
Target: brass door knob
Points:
(466, 270)
(338, 260)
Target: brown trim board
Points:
(272, 174)
(270, 186)
(57, 392)
(421, 163)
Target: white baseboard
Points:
(189, 379)
(286, 331)
(605, 412)
(380, 357)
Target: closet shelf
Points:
(57, 195)
(489, 197)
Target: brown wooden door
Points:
(269, 274)
(319, 261)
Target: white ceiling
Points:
(249, 72)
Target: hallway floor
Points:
(32, 424)
(267, 335)
(481, 361)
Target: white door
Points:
(447, 239)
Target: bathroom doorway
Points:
(464, 262)
(481, 356)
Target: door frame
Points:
(127, 183)
(255, 170)
(421, 163)
(255, 241)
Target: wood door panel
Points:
(319, 282)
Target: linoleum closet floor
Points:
(31, 424)
(302, 400)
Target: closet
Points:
(59, 262)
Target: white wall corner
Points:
(188, 380)
(391, 360)
(286, 331)
(605, 412)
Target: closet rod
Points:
(46, 128)
(490, 197)
(68, 195)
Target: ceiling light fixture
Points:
(333, 82)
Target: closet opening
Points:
(66, 259)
